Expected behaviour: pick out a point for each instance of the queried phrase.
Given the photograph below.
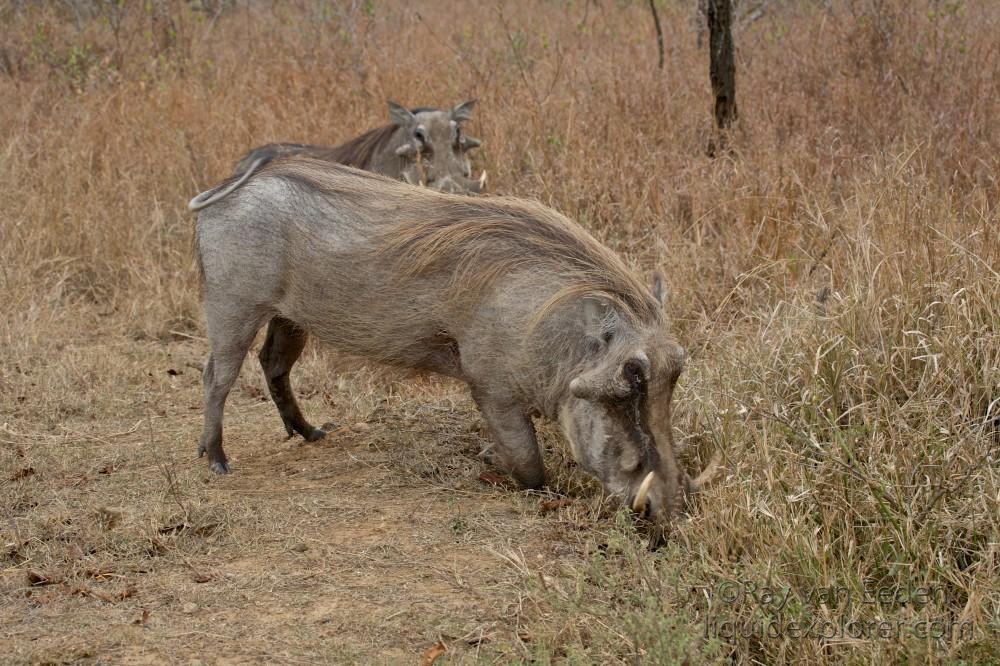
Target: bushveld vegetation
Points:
(833, 273)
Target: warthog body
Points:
(524, 305)
(423, 147)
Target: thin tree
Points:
(659, 30)
(722, 69)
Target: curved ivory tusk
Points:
(482, 179)
(707, 475)
(640, 496)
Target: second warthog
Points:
(424, 146)
(538, 317)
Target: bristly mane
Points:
(358, 152)
(481, 241)
(478, 241)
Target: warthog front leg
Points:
(515, 438)
(281, 349)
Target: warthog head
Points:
(617, 415)
(434, 148)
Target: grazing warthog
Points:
(538, 317)
(423, 147)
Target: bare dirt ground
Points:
(370, 546)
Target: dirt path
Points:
(118, 545)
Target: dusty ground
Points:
(370, 546)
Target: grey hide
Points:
(538, 317)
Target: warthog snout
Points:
(460, 184)
(654, 493)
(617, 415)
(435, 149)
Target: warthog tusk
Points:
(707, 475)
(640, 496)
(482, 179)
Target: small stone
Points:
(189, 608)
(300, 548)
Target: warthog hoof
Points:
(201, 450)
(219, 467)
(320, 432)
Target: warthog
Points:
(538, 317)
(423, 147)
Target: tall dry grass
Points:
(834, 274)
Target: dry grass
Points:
(835, 275)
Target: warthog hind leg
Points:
(281, 349)
(515, 439)
(221, 371)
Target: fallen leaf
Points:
(432, 653)
(203, 578)
(173, 529)
(84, 591)
(546, 506)
(36, 578)
(144, 620)
(98, 574)
(494, 480)
(207, 529)
(23, 473)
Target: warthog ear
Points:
(463, 111)
(659, 293)
(468, 143)
(400, 115)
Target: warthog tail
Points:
(209, 197)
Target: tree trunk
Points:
(722, 70)
(659, 30)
